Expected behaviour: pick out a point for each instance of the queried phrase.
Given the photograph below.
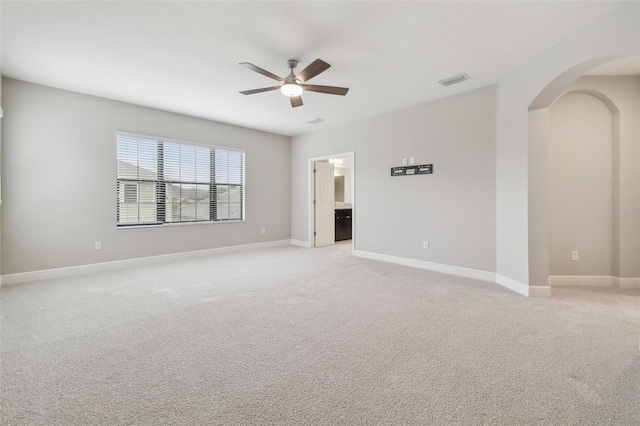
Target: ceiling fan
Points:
(293, 85)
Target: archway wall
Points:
(615, 34)
(580, 187)
(619, 97)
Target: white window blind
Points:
(167, 181)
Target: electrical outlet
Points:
(404, 161)
(574, 255)
(264, 230)
(425, 245)
(98, 246)
(412, 161)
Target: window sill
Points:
(171, 225)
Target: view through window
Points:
(166, 181)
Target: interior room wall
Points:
(59, 186)
(615, 34)
(580, 186)
(0, 178)
(453, 208)
(617, 211)
(345, 169)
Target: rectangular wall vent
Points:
(315, 120)
(454, 80)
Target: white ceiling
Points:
(183, 56)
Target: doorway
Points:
(332, 200)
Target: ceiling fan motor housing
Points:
(291, 78)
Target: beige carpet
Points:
(298, 336)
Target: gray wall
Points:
(59, 181)
(0, 178)
(453, 209)
(603, 112)
(580, 180)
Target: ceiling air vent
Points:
(315, 120)
(454, 80)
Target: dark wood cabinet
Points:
(343, 224)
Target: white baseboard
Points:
(119, 264)
(626, 282)
(522, 288)
(438, 267)
(511, 284)
(568, 280)
(596, 281)
(300, 243)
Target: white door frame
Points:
(311, 192)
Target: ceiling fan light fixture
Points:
(291, 90)
(293, 85)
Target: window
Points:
(130, 192)
(165, 181)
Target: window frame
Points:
(161, 183)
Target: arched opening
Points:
(581, 168)
(584, 174)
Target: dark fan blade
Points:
(312, 70)
(261, 71)
(264, 89)
(296, 101)
(331, 90)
